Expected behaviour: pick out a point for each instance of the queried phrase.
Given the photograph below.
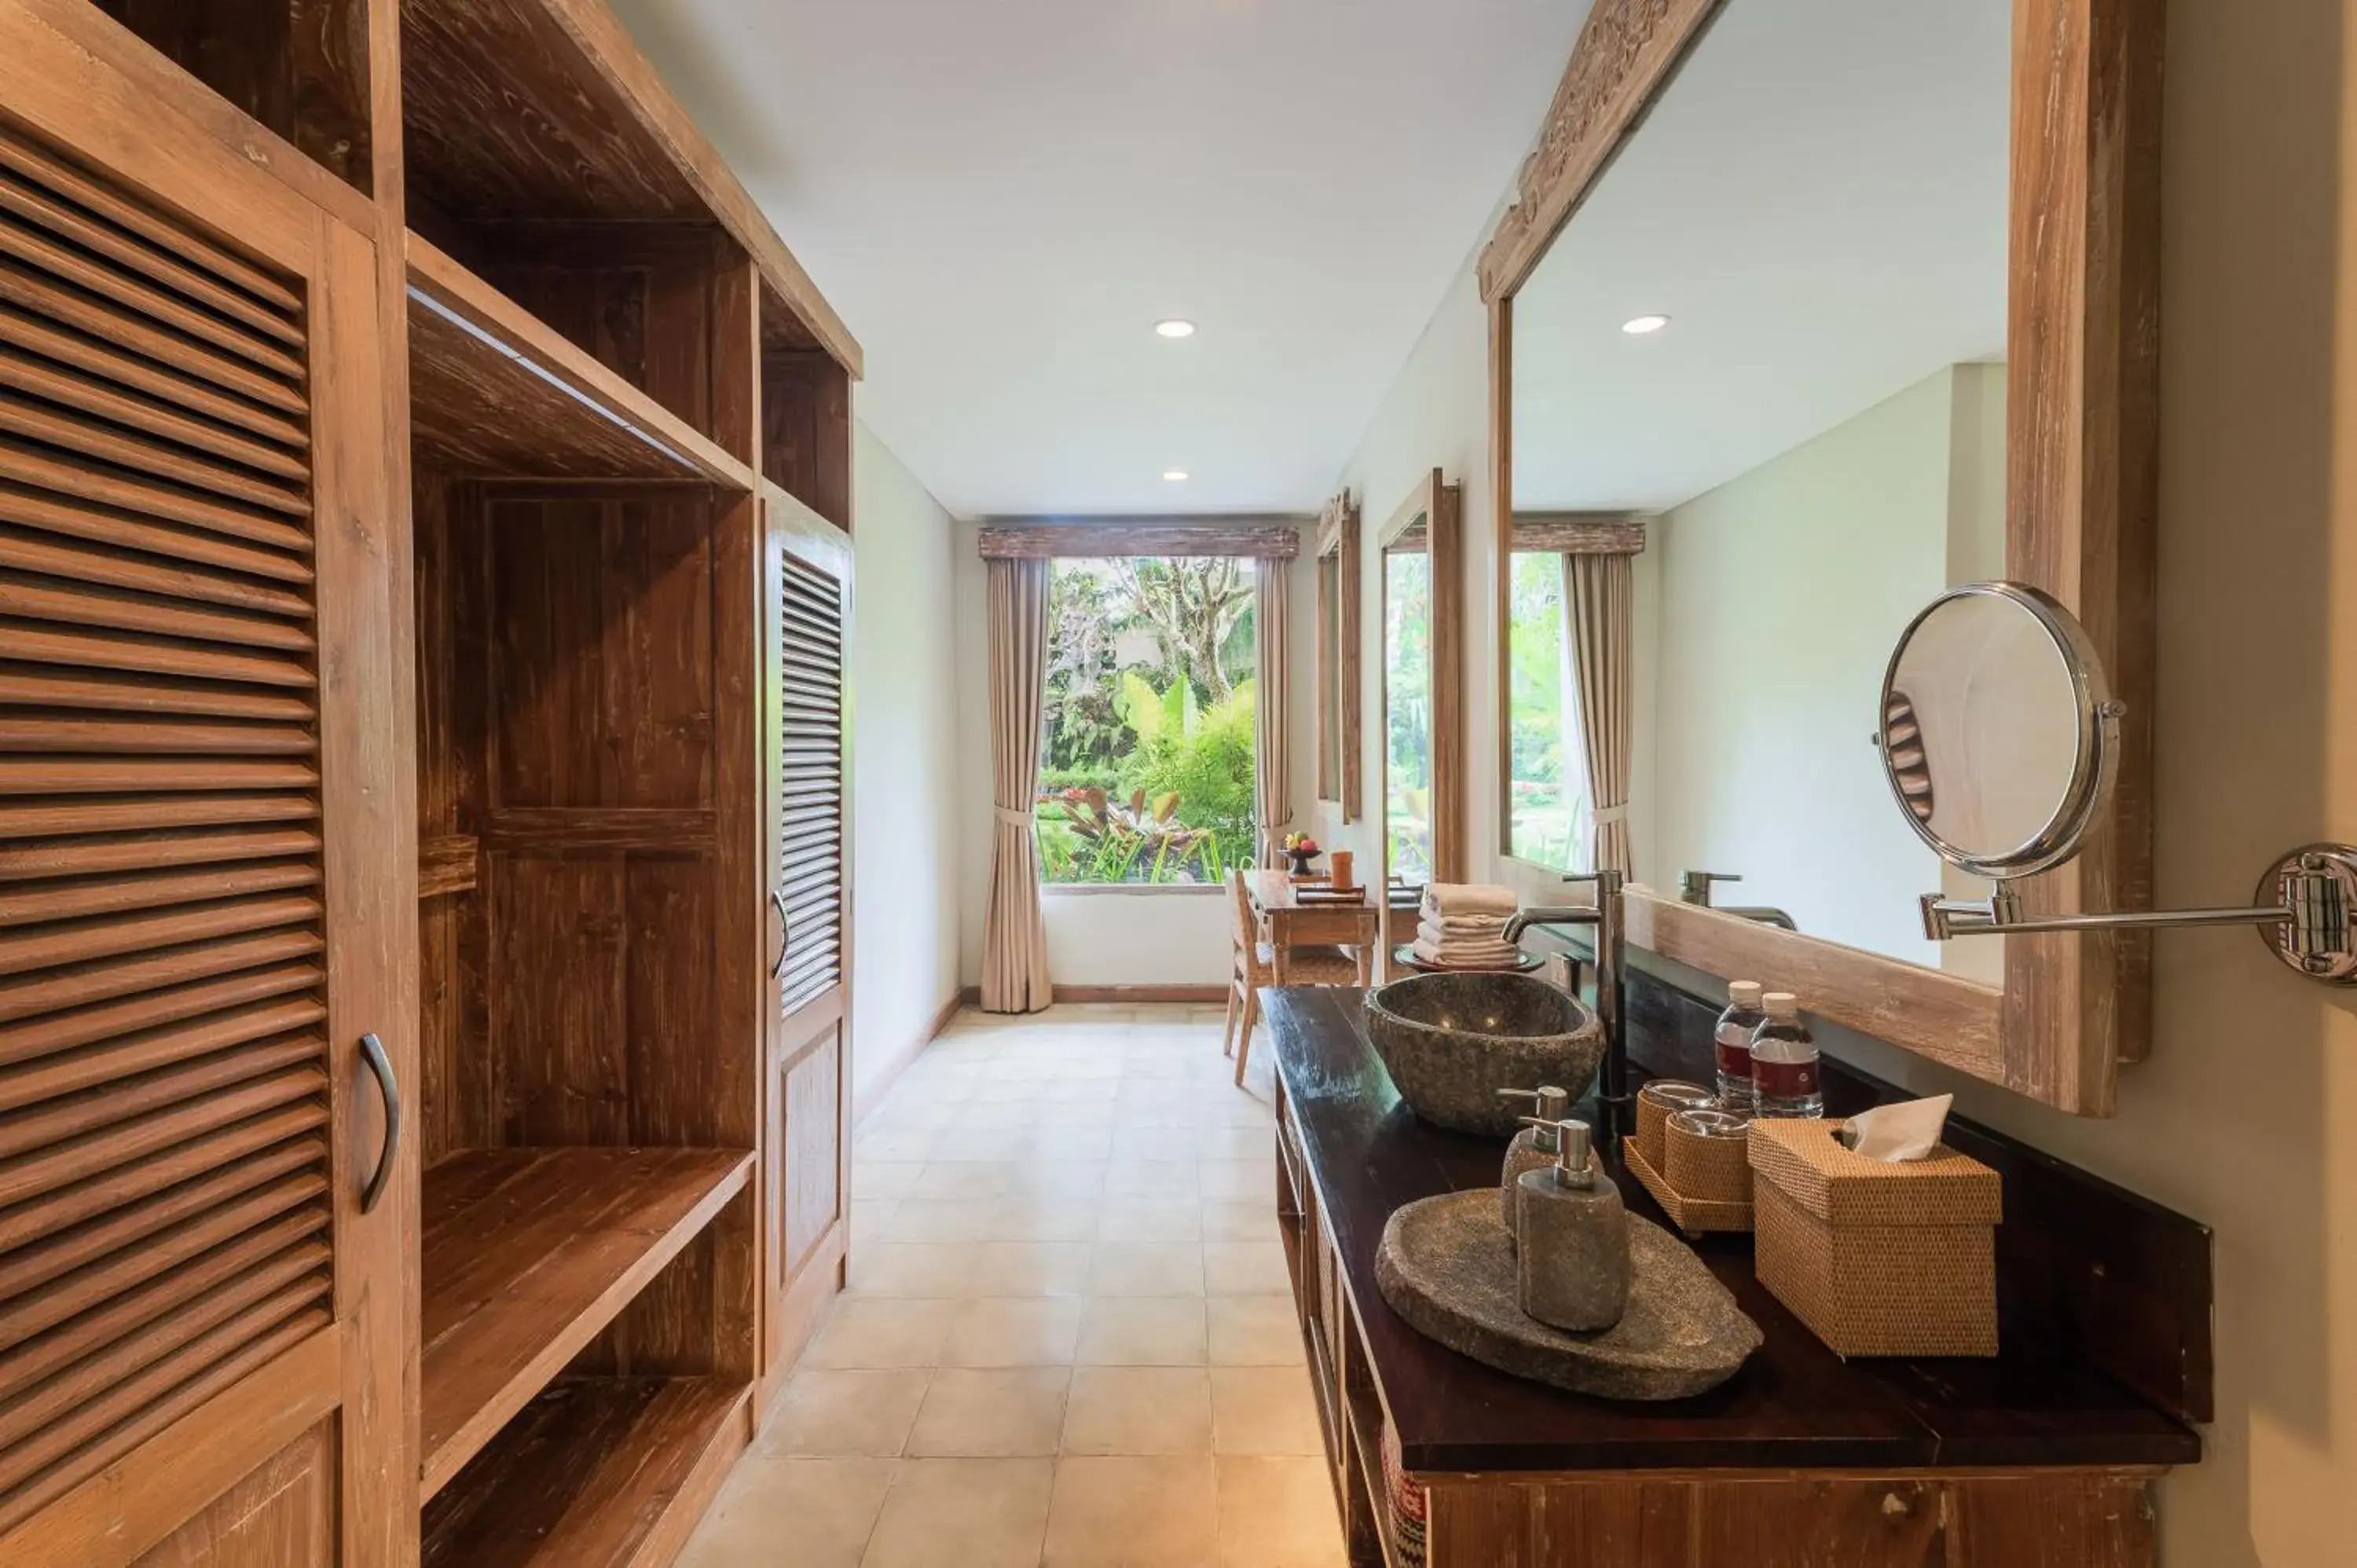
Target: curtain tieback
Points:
(1605, 816)
(1015, 819)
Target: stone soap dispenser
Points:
(1574, 1258)
(1533, 1148)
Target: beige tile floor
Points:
(1068, 1339)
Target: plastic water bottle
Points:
(1784, 1062)
(1735, 1024)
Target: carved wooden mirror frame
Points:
(1340, 688)
(1439, 506)
(2082, 446)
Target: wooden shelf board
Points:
(495, 391)
(596, 1473)
(547, 111)
(528, 1254)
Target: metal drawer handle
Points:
(374, 1053)
(785, 931)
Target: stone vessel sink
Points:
(1452, 1041)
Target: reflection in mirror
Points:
(1814, 438)
(1408, 704)
(1550, 806)
(1991, 730)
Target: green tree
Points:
(1085, 619)
(1191, 607)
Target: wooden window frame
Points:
(1340, 693)
(2083, 390)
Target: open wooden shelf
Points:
(496, 391)
(529, 1253)
(597, 1472)
(545, 111)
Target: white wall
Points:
(2245, 1118)
(905, 828)
(1781, 594)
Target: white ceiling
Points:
(1818, 204)
(1002, 197)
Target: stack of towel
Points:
(1464, 926)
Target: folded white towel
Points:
(1456, 948)
(1451, 955)
(1470, 898)
(1461, 925)
(1490, 935)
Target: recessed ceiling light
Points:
(1175, 475)
(1174, 328)
(1639, 325)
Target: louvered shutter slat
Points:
(165, 1213)
(810, 780)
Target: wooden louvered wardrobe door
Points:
(807, 594)
(205, 848)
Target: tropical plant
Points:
(1137, 840)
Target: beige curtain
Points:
(1015, 939)
(1272, 764)
(1599, 607)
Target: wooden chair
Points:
(1254, 965)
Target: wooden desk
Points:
(1290, 923)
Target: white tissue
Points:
(1909, 1130)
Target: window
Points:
(1145, 769)
(1547, 789)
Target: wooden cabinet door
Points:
(206, 847)
(807, 604)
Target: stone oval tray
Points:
(1445, 1266)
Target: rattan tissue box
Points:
(1877, 1258)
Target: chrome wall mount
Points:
(1995, 667)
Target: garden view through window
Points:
(1552, 822)
(1146, 762)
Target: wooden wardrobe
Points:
(425, 595)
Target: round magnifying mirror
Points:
(1999, 733)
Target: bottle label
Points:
(1784, 1081)
(1734, 1057)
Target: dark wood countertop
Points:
(1794, 1405)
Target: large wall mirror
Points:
(1783, 342)
(1781, 298)
(1420, 594)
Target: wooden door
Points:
(807, 601)
(207, 849)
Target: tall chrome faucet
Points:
(1613, 1094)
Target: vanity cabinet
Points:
(423, 598)
(2034, 1458)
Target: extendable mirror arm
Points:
(2318, 886)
